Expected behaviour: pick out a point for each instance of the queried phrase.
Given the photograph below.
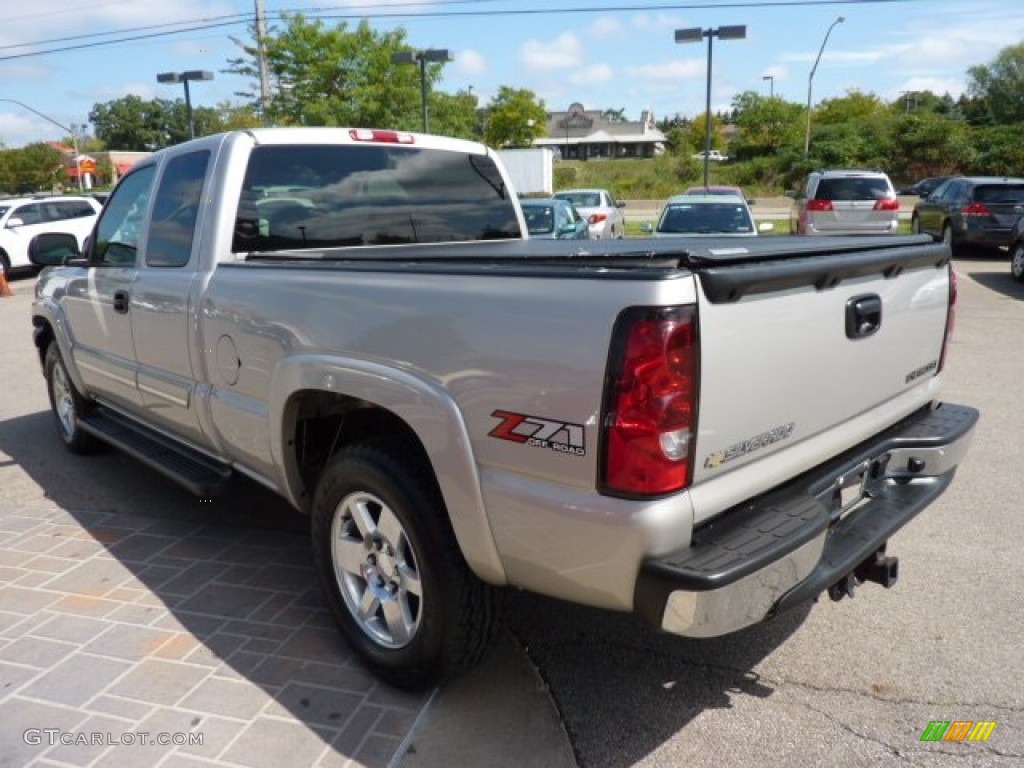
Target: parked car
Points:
(718, 189)
(707, 215)
(846, 202)
(22, 218)
(714, 155)
(550, 219)
(971, 211)
(924, 187)
(1017, 250)
(601, 210)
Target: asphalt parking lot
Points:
(167, 615)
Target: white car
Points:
(714, 155)
(22, 218)
(601, 210)
(710, 215)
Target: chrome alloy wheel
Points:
(376, 570)
(63, 401)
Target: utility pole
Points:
(261, 47)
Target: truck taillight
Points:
(650, 403)
(597, 218)
(950, 317)
(386, 137)
(887, 204)
(819, 205)
(976, 209)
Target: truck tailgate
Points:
(791, 348)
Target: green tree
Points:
(615, 115)
(855, 106)
(514, 118)
(335, 76)
(696, 133)
(131, 123)
(765, 125)
(928, 144)
(999, 85)
(456, 115)
(33, 168)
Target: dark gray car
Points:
(971, 211)
(549, 219)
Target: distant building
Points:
(582, 134)
(98, 169)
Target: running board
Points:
(200, 474)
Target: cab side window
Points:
(120, 226)
(175, 210)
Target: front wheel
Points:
(67, 404)
(1017, 262)
(947, 238)
(391, 570)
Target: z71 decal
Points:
(539, 433)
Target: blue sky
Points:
(615, 54)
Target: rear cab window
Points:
(296, 197)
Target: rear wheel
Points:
(391, 570)
(1017, 261)
(67, 404)
(947, 238)
(915, 225)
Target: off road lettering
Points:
(538, 432)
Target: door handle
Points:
(121, 302)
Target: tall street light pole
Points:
(771, 85)
(71, 130)
(695, 35)
(186, 77)
(421, 58)
(810, 82)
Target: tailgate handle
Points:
(863, 316)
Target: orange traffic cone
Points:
(5, 289)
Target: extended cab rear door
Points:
(161, 297)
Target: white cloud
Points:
(564, 52)
(606, 28)
(658, 22)
(668, 72)
(469, 63)
(596, 73)
(937, 85)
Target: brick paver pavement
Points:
(119, 632)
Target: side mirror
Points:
(765, 226)
(13, 222)
(53, 250)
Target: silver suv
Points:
(846, 202)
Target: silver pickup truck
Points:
(703, 432)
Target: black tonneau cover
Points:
(729, 267)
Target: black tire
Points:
(67, 404)
(1017, 261)
(915, 224)
(395, 580)
(948, 239)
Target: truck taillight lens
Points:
(887, 204)
(950, 318)
(650, 405)
(597, 218)
(819, 205)
(976, 209)
(386, 137)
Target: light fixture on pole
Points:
(421, 58)
(71, 130)
(771, 85)
(695, 35)
(810, 82)
(185, 77)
